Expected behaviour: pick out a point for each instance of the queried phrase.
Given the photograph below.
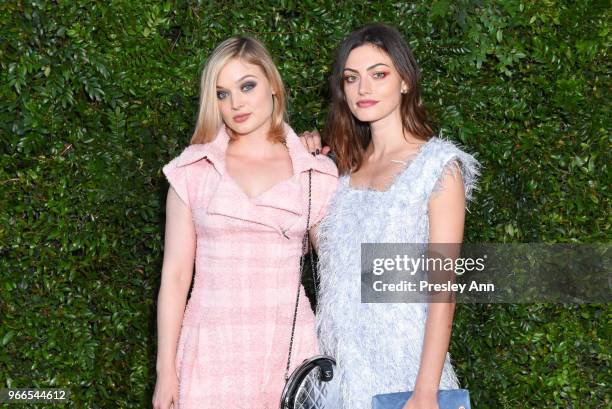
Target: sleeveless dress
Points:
(378, 346)
(234, 340)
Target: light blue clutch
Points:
(447, 399)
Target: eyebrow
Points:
(246, 76)
(240, 79)
(369, 68)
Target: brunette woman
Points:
(399, 184)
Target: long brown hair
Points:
(347, 136)
(254, 52)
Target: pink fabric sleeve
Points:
(323, 190)
(177, 177)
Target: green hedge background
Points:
(96, 96)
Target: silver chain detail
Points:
(305, 245)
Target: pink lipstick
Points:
(241, 118)
(366, 103)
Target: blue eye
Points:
(350, 78)
(221, 94)
(248, 86)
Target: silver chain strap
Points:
(305, 245)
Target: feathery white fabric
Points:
(378, 346)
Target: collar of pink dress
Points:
(289, 195)
(214, 151)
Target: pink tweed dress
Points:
(234, 339)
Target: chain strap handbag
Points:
(308, 384)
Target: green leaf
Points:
(7, 337)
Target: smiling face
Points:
(245, 97)
(372, 85)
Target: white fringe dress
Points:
(378, 346)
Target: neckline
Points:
(395, 177)
(254, 198)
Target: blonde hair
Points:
(249, 50)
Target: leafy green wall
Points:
(96, 96)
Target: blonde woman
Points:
(237, 207)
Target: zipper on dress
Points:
(284, 231)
